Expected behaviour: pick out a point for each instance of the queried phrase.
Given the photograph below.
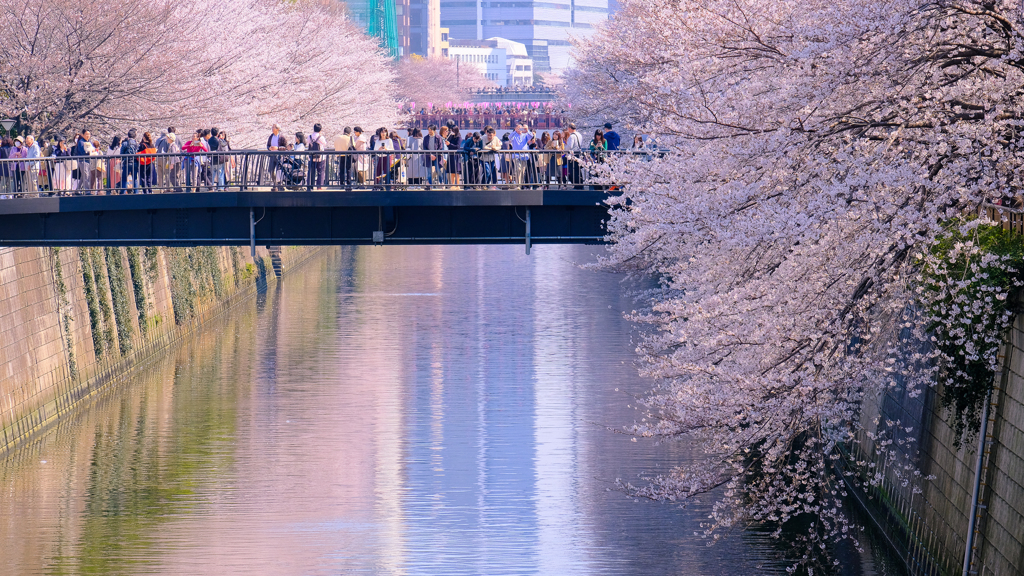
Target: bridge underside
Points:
(308, 217)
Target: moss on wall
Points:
(236, 266)
(64, 311)
(99, 274)
(119, 298)
(91, 301)
(139, 288)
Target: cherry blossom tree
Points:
(819, 151)
(437, 80)
(242, 65)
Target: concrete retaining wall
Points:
(72, 320)
(928, 529)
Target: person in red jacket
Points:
(191, 164)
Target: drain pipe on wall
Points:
(971, 524)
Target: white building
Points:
(543, 26)
(501, 61)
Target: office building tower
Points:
(542, 26)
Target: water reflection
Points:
(417, 410)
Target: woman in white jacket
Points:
(362, 160)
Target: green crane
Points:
(383, 25)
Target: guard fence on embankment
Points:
(928, 523)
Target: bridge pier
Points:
(252, 232)
(527, 231)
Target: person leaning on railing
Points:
(471, 147)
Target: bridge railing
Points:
(276, 171)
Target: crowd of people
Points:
(518, 89)
(128, 164)
(476, 158)
(502, 115)
(137, 164)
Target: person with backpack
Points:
(315, 143)
(217, 160)
(130, 163)
(471, 147)
(573, 156)
(344, 143)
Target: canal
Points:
(381, 410)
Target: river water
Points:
(382, 410)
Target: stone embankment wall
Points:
(73, 320)
(928, 527)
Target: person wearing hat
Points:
(18, 169)
(611, 136)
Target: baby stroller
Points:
(293, 172)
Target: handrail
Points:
(263, 170)
(1008, 217)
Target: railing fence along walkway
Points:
(306, 198)
(278, 171)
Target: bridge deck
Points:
(275, 198)
(307, 217)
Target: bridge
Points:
(274, 198)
